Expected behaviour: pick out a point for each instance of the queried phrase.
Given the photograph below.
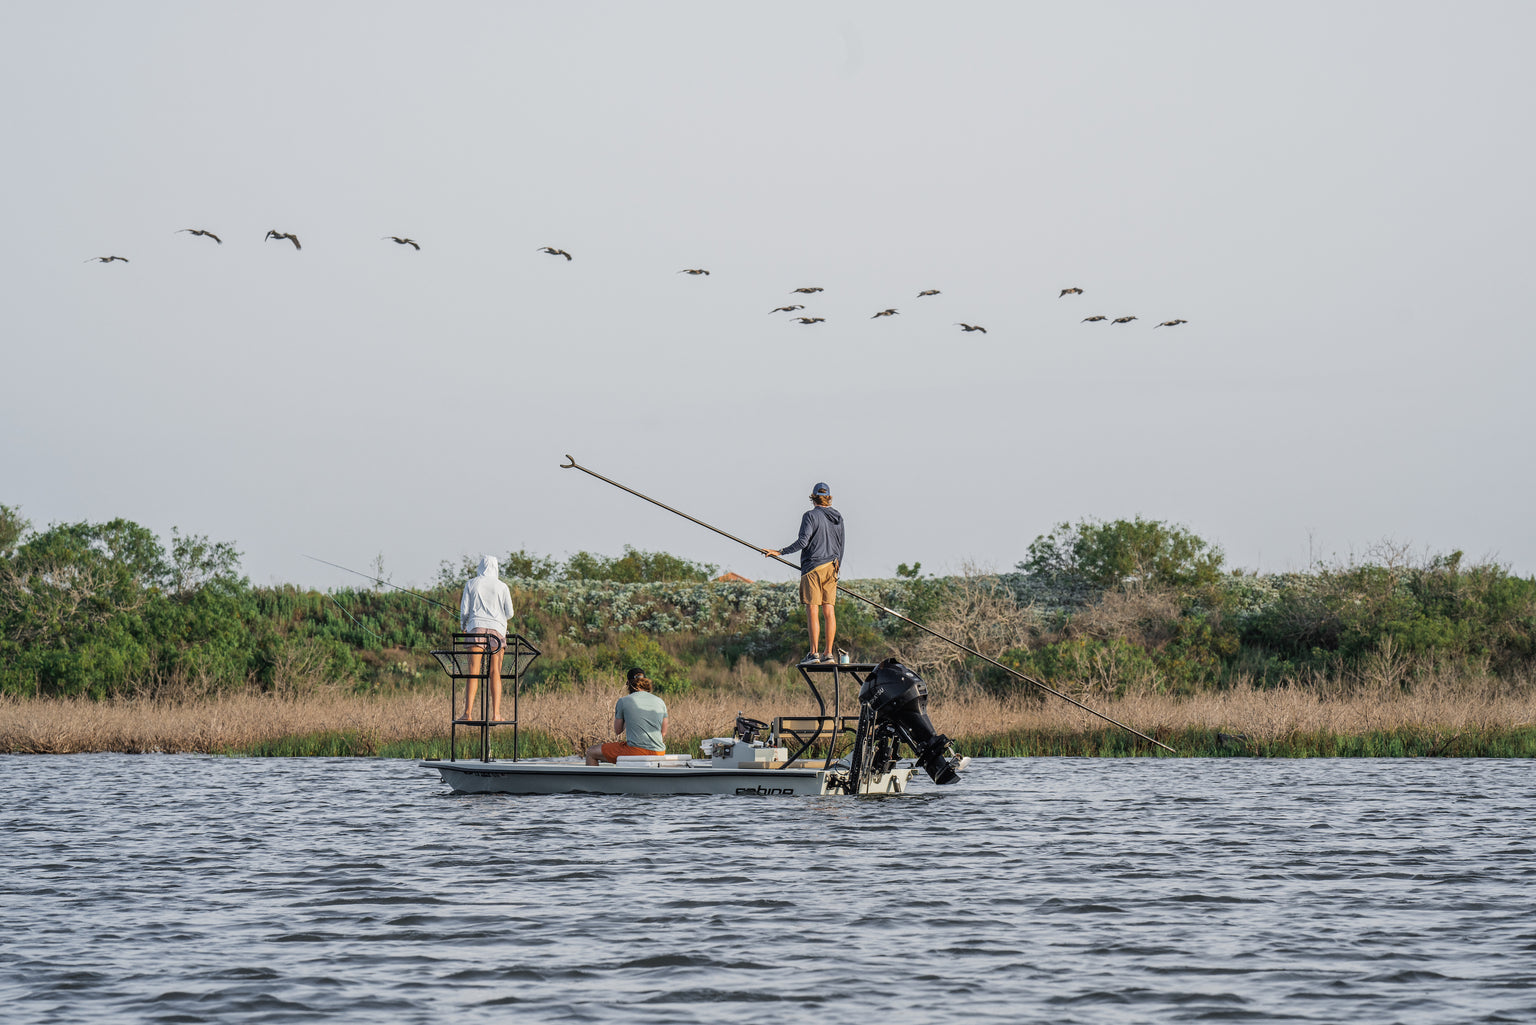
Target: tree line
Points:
(110, 609)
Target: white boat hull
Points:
(540, 777)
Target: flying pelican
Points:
(1119, 320)
(402, 241)
(1070, 291)
(199, 231)
(973, 327)
(274, 233)
(1171, 323)
(694, 270)
(811, 320)
(552, 251)
(1092, 319)
(106, 259)
(808, 291)
(884, 313)
(786, 309)
(928, 291)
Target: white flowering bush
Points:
(596, 608)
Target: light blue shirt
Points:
(643, 713)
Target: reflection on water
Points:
(179, 888)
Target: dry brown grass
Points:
(582, 715)
(1261, 715)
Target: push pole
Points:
(574, 465)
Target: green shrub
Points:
(1440, 607)
(1148, 552)
(631, 649)
(1112, 666)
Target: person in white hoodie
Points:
(484, 608)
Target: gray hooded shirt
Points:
(820, 540)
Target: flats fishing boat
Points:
(755, 760)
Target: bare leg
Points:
(473, 684)
(830, 612)
(496, 684)
(594, 754)
(810, 617)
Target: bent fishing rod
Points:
(386, 583)
(574, 465)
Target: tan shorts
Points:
(819, 586)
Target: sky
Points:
(1336, 197)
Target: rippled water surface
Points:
(182, 889)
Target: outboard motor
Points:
(900, 697)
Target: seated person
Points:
(641, 716)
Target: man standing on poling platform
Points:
(820, 545)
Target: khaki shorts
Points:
(819, 586)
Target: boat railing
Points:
(806, 730)
(833, 725)
(469, 658)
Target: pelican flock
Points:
(804, 290)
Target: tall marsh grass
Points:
(1446, 717)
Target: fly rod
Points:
(574, 465)
(350, 616)
(386, 583)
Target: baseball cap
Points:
(822, 489)
(635, 673)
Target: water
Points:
(180, 889)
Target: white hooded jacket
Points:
(486, 602)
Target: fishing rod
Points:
(350, 616)
(574, 465)
(386, 583)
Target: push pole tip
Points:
(569, 465)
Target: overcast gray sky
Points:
(1336, 196)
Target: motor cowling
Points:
(899, 696)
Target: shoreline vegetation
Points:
(111, 640)
(1448, 720)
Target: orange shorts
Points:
(612, 751)
(819, 586)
